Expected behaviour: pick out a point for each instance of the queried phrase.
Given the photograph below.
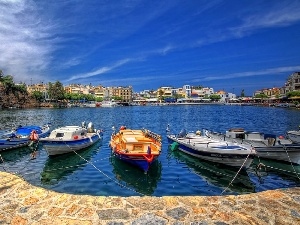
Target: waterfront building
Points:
(41, 87)
(77, 89)
(202, 92)
(99, 91)
(270, 92)
(225, 96)
(125, 93)
(164, 92)
(292, 83)
(186, 91)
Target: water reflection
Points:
(217, 174)
(15, 155)
(142, 183)
(285, 174)
(60, 167)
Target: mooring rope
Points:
(92, 164)
(260, 165)
(236, 174)
(291, 163)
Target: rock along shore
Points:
(22, 203)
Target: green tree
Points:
(8, 83)
(215, 97)
(38, 95)
(56, 91)
(261, 96)
(1, 75)
(243, 93)
(21, 88)
(117, 98)
(293, 94)
(99, 99)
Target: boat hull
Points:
(135, 160)
(294, 136)
(281, 150)
(15, 142)
(235, 158)
(58, 147)
(287, 153)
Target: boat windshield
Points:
(59, 134)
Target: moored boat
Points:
(294, 136)
(224, 152)
(71, 138)
(21, 136)
(108, 104)
(138, 147)
(267, 146)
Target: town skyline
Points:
(227, 45)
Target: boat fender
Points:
(75, 137)
(33, 136)
(174, 146)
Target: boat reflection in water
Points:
(59, 167)
(133, 178)
(217, 175)
(277, 174)
(16, 155)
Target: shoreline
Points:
(23, 203)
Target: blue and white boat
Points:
(20, 137)
(294, 136)
(267, 146)
(217, 151)
(71, 138)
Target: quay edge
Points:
(23, 203)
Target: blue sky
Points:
(227, 45)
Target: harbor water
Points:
(94, 171)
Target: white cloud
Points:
(272, 71)
(25, 45)
(99, 71)
(278, 14)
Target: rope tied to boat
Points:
(291, 162)
(260, 165)
(92, 164)
(236, 173)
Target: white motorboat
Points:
(224, 152)
(294, 136)
(71, 138)
(108, 104)
(267, 146)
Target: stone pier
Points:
(22, 203)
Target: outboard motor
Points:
(83, 124)
(182, 133)
(90, 128)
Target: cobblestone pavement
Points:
(22, 203)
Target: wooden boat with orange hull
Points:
(137, 147)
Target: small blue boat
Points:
(20, 137)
